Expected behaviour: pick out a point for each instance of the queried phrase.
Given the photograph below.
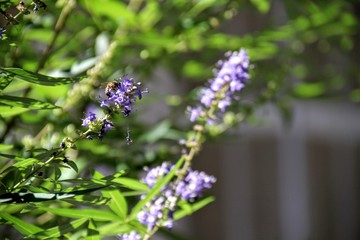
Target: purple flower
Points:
(122, 94)
(2, 32)
(130, 236)
(195, 113)
(154, 174)
(159, 211)
(89, 119)
(98, 125)
(194, 184)
(230, 78)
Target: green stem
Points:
(27, 178)
(64, 15)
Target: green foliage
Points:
(57, 59)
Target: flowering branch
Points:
(230, 78)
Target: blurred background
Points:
(289, 170)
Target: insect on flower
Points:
(111, 87)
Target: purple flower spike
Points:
(160, 210)
(122, 94)
(230, 78)
(130, 236)
(194, 184)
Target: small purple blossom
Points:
(230, 78)
(159, 211)
(154, 174)
(91, 117)
(194, 184)
(1, 32)
(130, 236)
(97, 125)
(195, 113)
(122, 94)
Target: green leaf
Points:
(73, 165)
(117, 203)
(98, 215)
(5, 80)
(188, 209)
(113, 9)
(156, 189)
(262, 5)
(157, 132)
(131, 184)
(25, 103)
(87, 200)
(61, 230)
(309, 90)
(200, 6)
(150, 15)
(24, 162)
(8, 111)
(119, 227)
(4, 147)
(38, 78)
(23, 227)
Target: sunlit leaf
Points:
(188, 209)
(200, 6)
(4, 147)
(117, 201)
(150, 15)
(115, 10)
(5, 80)
(38, 78)
(73, 165)
(131, 183)
(61, 230)
(9, 111)
(262, 5)
(23, 102)
(309, 90)
(99, 215)
(23, 227)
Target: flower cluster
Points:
(130, 236)
(122, 94)
(100, 126)
(230, 77)
(159, 211)
(193, 185)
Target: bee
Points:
(111, 87)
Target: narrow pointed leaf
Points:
(38, 78)
(23, 227)
(25, 103)
(190, 208)
(98, 215)
(5, 80)
(117, 203)
(132, 184)
(59, 231)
